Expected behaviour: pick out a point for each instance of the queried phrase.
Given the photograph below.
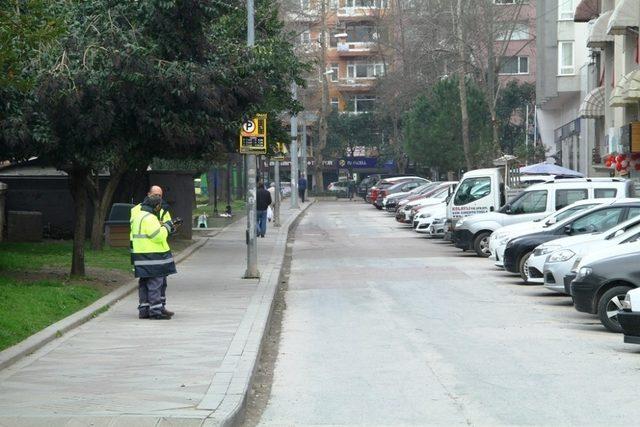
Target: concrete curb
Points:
(56, 330)
(229, 389)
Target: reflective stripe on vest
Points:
(145, 236)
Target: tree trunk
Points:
(78, 183)
(101, 206)
(464, 113)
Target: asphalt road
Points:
(383, 326)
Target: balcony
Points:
(352, 49)
(303, 16)
(352, 85)
(359, 13)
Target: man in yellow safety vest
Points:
(151, 255)
(163, 215)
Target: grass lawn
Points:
(36, 291)
(237, 209)
(29, 307)
(35, 256)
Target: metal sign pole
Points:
(303, 168)
(294, 152)
(276, 203)
(252, 216)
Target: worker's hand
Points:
(177, 222)
(169, 226)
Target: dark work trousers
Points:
(301, 192)
(150, 295)
(163, 291)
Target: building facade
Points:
(587, 103)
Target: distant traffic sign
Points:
(280, 151)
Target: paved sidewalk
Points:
(191, 370)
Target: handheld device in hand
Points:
(177, 221)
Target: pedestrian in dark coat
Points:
(263, 201)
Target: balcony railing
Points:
(354, 85)
(356, 48)
(359, 12)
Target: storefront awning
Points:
(592, 106)
(624, 15)
(631, 90)
(617, 95)
(586, 10)
(598, 36)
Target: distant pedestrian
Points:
(263, 201)
(302, 187)
(152, 258)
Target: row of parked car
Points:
(575, 236)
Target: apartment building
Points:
(587, 84)
(516, 44)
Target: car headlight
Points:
(626, 303)
(561, 256)
(504, 241)
(543, 250)
(438, 221)
(584, 272)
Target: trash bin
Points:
(117, 226)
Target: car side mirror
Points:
(568, 229)
(507, 208)
(551, 221)
(618, 233)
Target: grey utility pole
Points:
(294, 152)
(252, 244)
(303, 159)
(276, 202)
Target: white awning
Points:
(598, 36)
(617, 96)
(592, 106)
(625, 15)
(631, 90)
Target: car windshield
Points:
(472, 189)
(566, 213)
(529, 202)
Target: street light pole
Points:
(294, 151)
(251, 237)
(303, 168)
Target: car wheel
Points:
(609, 304)
(481, 244)
(523, 266)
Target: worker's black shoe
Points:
(167, 312)
(143, 315)
(161, 316)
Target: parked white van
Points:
(535, 202)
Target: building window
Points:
(565, 10)
(362, 103)
(335, 69)
(358, 33)
(333, 4)
(514, 31)
(305, 4)
(335, 104)
(364, 70)
(305, 37)
(380, 4)
(565, 59)
(514, 65)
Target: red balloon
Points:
(638, 166)
(619, 158)
(635, 156)
(618, 167)
(607, 163)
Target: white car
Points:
(560, 256)
(424, 218)
(439, 227)
(500, 238)
(409, 210)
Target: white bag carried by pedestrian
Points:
(269, 213)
